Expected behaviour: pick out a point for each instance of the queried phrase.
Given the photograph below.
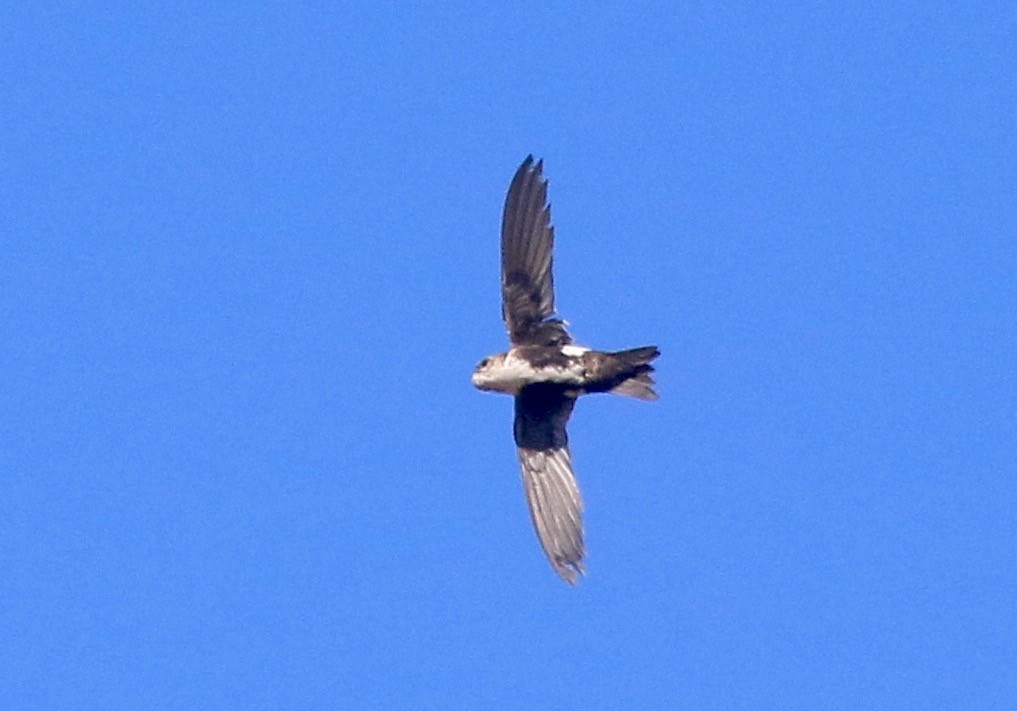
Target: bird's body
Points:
(576, 369)
(546, 372)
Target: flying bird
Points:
(546, 372)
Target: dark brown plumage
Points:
(546, 373)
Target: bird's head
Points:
(486, 374)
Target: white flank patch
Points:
(572, 351)
(514, 373)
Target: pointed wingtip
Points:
(531, 164)
(570, 572)
(526, 168)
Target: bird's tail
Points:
(636, 381)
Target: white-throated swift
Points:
(546, 372)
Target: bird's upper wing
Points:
(527, 243)
(551, 489)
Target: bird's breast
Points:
(531, 365)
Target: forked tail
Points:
(635, 380)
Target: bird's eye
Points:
(484, 363)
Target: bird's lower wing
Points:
(555, 507)
(552, 493)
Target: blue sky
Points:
(250, 259)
